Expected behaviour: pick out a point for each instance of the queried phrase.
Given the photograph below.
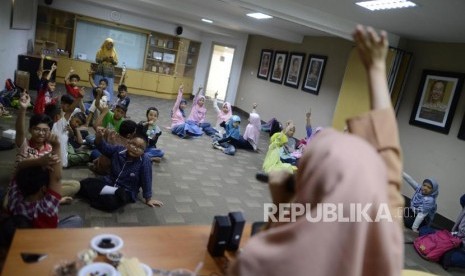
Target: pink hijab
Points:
(198, 112)
(224, 117)
(252, 131)
(335, 168)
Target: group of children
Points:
(122, 151)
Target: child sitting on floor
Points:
(179, 126)
(423, 204)
(222, 115)
(150, 131)
(199, 113)
(45, 92)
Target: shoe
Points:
(216, 145)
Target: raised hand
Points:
(254, 105)
(371, 47)
(216, 94)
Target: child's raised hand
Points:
(371, 47)
(25, 100)
(254, 105)
(308, 115)
(216, 94)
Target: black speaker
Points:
(237, 227)
(48, 2)
(219, 235)
(179, 30)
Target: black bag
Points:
(6, 144)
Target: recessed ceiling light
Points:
(207, 20)
(259, 15)
(386, 4)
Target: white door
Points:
(220, 69)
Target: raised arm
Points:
(50, 73)
(254, 108)
(71, 70)
(41, 66)
(178, 99)
(215, 103)
(373, 49)
(308, 123)
(124, 75)
(56, 168)
(196, 97)
(91, 79)
(379, 127)
(20, 126)
(410, 181)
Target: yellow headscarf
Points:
(104, 52)
(272, 160)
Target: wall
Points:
(284, 103)
(428, 153)
(13, 42)
(239, 43)
(236, 40)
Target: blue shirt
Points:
(130, 174)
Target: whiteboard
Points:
(129, 45)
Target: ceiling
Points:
(431, 20)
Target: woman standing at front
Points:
(106, 59)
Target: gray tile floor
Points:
(194, 181)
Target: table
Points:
(163, 247)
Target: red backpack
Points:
(433, 246)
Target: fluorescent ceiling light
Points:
(386, 4)
(207, 20)
(259, 15)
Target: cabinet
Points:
(171, 55)
(54, 26)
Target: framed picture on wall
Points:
(436, 100)
(461, 134)
(294, 69)
(279, 61)
(265, 64)
(314, 74)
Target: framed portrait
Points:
(279, 62)
(314, 74)
(294, 69)
(461, 134)
(265, 64)
(436, 100)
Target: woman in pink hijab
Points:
(361, 167)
